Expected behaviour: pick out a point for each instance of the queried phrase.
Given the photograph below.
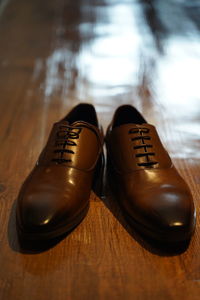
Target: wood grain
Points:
(54, 54)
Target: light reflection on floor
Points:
(137, 52)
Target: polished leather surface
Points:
(55, 196)
(151, 192)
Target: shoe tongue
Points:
(84, 124)
(80, 124)
(77, 124)
(133, 125)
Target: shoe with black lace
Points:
(153, 196)
(55, 197)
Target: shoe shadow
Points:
(21, 245)
(155, 247)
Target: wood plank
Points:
(55, 54)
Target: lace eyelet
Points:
(65, 140)
(143, 145)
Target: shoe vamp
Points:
(60, 190)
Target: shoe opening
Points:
(83, 112)
(126, 114)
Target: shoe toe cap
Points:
(167, 215)
(174, 215)
(43, 211)
(36, 212)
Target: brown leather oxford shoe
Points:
(55, 196)
(153, 196)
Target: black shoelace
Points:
(143, 137)
(64, 137)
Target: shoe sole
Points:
(162, 237)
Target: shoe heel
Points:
(98, 182)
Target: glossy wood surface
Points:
(55, 54)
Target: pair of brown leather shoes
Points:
(55, 197)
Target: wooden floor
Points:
(56, 53)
